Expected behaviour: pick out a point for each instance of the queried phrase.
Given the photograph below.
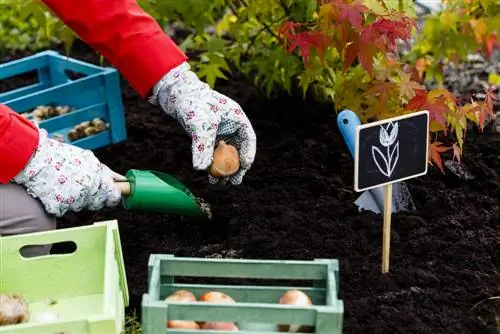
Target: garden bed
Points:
(297, 202)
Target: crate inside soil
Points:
(249, 296)
(82, 291)
(67, 96)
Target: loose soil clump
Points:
(297, 202)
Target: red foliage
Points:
(344, 25)
(353, 36)
(435, 150)
(307, 40)
(437, 106)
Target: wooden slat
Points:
(246, 293)
(236, 268)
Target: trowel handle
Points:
(124, 187)
(347, 121)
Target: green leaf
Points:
(187, 44)
(215, 45)
(210, 68)
(494, 79)
(67, 36)
(376, 6)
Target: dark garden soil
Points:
(297, 202)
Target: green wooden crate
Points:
(88, 286)
(257, 309)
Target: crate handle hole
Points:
(72, 75)
(58, 248)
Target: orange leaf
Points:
(435, 150)
(457, 152)
(408, 87)
(441, 92)
(420, 66)
(383, 89)
(485, 109)
(491, 41)
(418, 102)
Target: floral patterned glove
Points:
(208, 117)
(65, 177)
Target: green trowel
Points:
(147, 190)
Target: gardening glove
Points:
(65, 177)
(208, 117)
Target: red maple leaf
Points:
(418, 101)
(306, 41)
(484, 109)
(438, 111)
(350, 54)
(490, 43)
(392, 30)
(351, 12)
(350, 38)
(490, 97)
(437, 107)
(370, 42)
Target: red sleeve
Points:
(125, 35)
(18, 141)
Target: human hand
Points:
(208, 117)
(65, 177)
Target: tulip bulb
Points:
(226, 160)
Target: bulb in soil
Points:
(14, 309)
(182, 296)
(298, 298)
(226, 160)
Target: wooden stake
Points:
(386, 239)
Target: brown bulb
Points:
(14, 309)
(226, 160)
(298, 298)
(186, 297)
(221, 326)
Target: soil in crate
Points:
(297, 202)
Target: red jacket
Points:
(120, 31)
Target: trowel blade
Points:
(366, 202)
(373, 199)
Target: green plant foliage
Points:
(341, 51)
(244, 34)
(461, 28)
(28, 25)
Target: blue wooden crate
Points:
(95, 94)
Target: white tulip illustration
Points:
(387, 136)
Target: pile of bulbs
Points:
(291, 297)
